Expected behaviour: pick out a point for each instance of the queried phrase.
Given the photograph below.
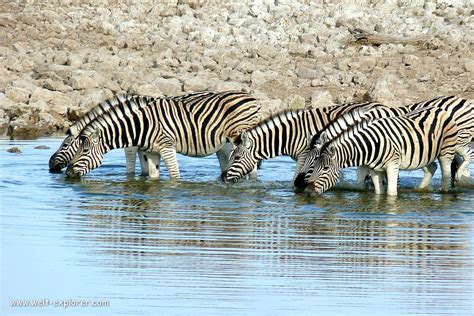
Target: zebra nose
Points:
(55, 167)
(224, 176)
(70, 173)
(300, 181)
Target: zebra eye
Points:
(237, 157)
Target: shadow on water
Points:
(177, 247)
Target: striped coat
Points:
(388, 145)
(197, 124)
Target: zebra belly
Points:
(192, 152)
(407, 163)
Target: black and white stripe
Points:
(389, 144)
(459, 109)
(197, 124)
(68, 148)
(285, 133)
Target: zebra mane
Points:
(341, 124)
(283, 115)
(132, 102)
(423, 104)
(355, 127)
(420, 110)
(98, 110)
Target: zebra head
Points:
(325, 172)
(66, 152)
(315, 145)
(302, 179)
(241, 162)
(89, 154)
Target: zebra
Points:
(68, 148)
(389, 144)
(198, 125)
(285, 133)
(460, 109)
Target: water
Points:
(135, 246)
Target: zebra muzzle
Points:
(70, 173)
(300, 181)
(55, 167)
(224, 176)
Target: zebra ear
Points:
(244, 137)
(323, 139)
(331, 151)
(95, 134)
(311, 139)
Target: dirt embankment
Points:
(60, 58)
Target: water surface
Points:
(137, 246)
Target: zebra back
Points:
(98, 110)
(420, 138)
(462, 110)
(197, 124)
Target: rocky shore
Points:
(59, 58)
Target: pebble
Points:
(281, 51)
(14, 150)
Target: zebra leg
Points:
(253, 174)
(153, 165)
(223, 155)
(445, 163)
(429, 171)
(130, 158)
(463, 169)
(393, 170)
(171, 162)
(143, 156)
(362, 173)
(300, 163)
(377, 179)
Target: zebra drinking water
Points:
(388, 145)
(285, 133)
(198, 125)
(460, 109)
(68, 148)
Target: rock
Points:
(81, 80)
(24, 84)
(169, 87)
(469, 66)
(147, 90)
(195, 4)
(230, 85)
(271, 107)
(383, 90)
(40, 94)
(320, 99)
(17, 94)
(199, 83)
(42, 147)
(259, 78)
(296, 103)
(307, 73)
(410, 60)
(93, 98)
(56, 86)
(14, 150)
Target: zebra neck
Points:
(348, 154)
(284, 134)
(113, 136)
